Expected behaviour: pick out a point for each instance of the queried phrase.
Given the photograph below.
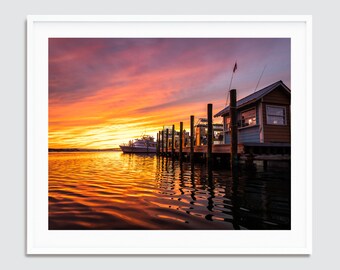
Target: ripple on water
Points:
(111, 190)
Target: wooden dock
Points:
(255, 151)
(181, 145)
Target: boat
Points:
(144, 144)
(201, 132)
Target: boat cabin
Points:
(263, 117)
(201, 132)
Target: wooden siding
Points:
(227, 137)
(271, 133)
(277, 133)
(248, 134)
(278, 96)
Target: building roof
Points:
(254, 97)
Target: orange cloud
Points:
(104, 92)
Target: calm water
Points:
(112, 190)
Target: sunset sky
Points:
(106, 91)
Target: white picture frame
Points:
(40, 240)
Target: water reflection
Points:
(235, 201)
(128, 191)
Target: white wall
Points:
(12, 137)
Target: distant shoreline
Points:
(83, 150)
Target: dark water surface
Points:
(112, 190)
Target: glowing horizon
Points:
(106, 91)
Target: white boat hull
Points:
(133, 149)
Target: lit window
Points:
(276, 115)
(227, 123)
(248, 118)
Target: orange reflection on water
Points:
(112, 190)
(97, 186)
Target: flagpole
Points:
(231, 80)
(232, 76)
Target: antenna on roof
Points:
(260, 78)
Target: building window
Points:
(276, 115)
(227, 123)
(248, 118)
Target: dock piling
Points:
(180, 140)
(173, 141)
(234, 130)
(163, 142)
(166, 141)
(192, 136)
(157, 146)
(210, 134)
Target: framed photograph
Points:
(169, 135)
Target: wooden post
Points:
(157, 146)
(192, 137)
(163, 142)
(159, 142)
(173, 141)
(166, 141)
(234, 130)
(210, 134)
(180, 139)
